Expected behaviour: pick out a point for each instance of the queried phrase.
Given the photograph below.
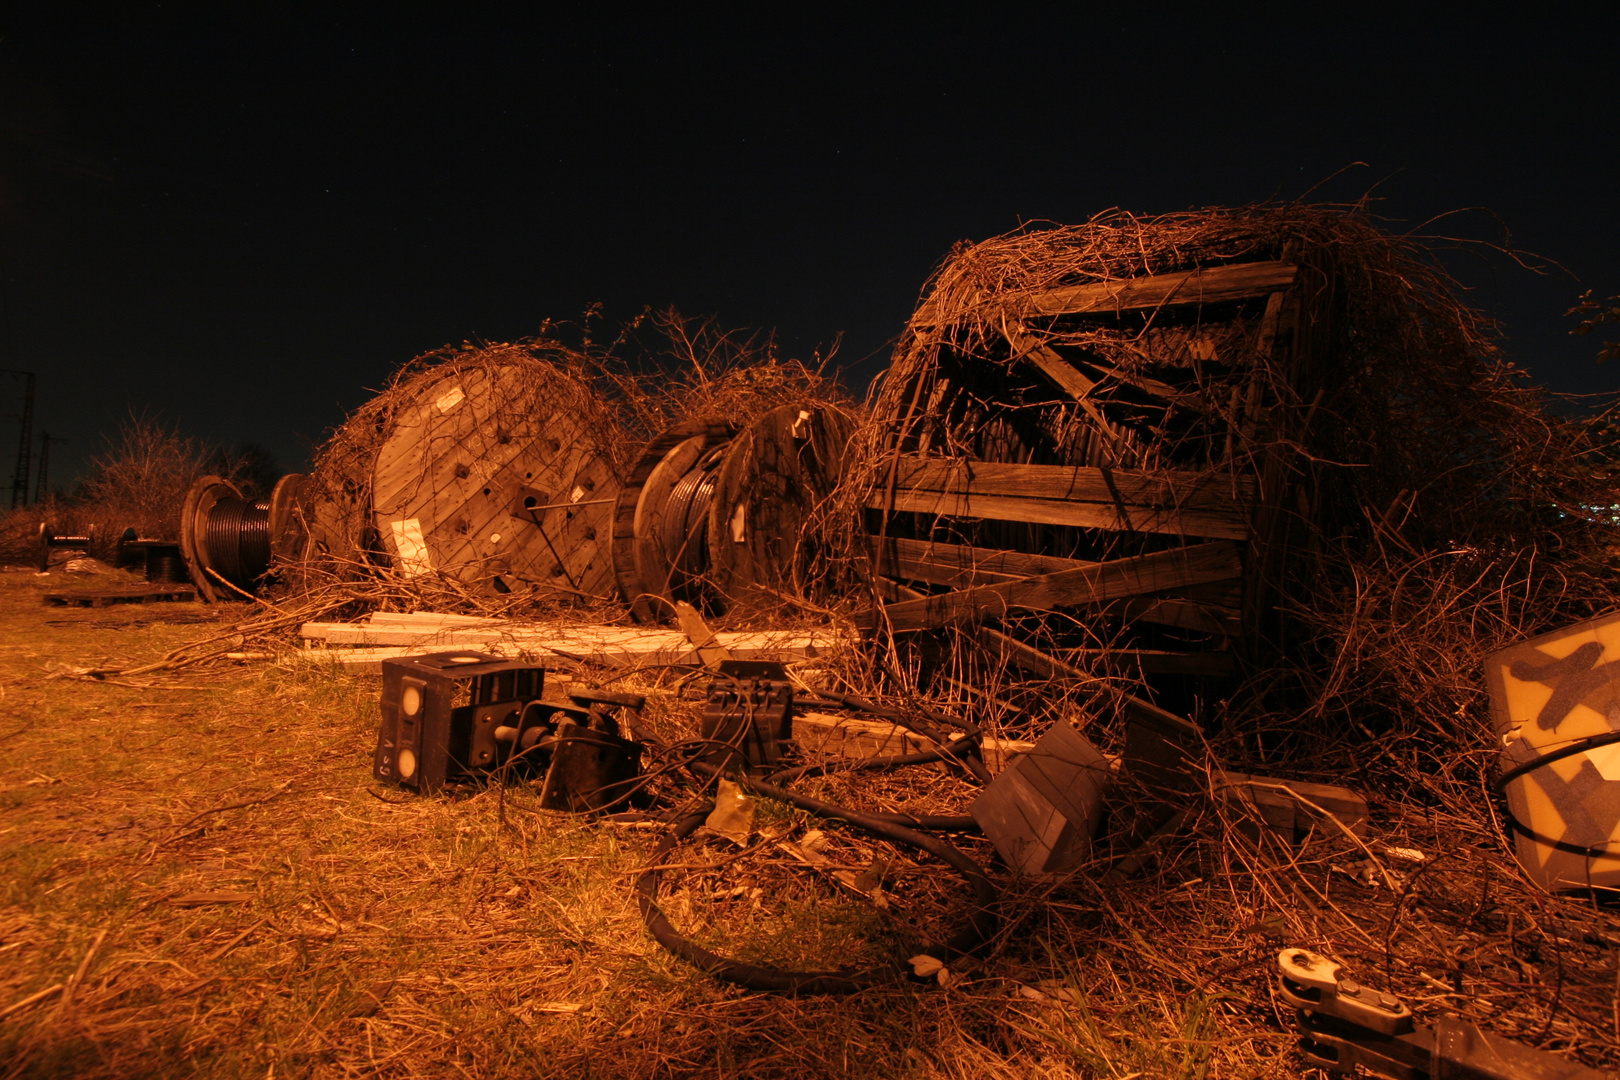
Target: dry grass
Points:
(376, 933)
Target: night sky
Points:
(238, 217)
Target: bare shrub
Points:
(142, 477)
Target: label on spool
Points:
(450, 399)
(410, 549)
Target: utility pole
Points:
(42, 487)
(25, 443)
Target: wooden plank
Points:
(1228, 523)
(1208, 285)
(1076, 483)
(1177, 503)
(1207, 609)
(939, 563)
(1098, 584)
(619, 649)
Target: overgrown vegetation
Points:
(267, 908)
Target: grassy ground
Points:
(203, 859)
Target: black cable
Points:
(980, 922)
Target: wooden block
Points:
(1041, 812)
(1267, 799)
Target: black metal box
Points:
(440, 713)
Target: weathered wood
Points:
(939, 563)
(1076, 483)
(1180, 504)
(493, 480)
(1228, 524)
(1090, 585)
(1207, 609)
(608, 645)
(1209, 285)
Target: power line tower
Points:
(42, 485)
(25, 441)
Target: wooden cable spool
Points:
(644, 560)
(776, 473)
(492, 477)
(289, 519)
(715, 515)
(1032, 472)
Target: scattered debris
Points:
(733, 813)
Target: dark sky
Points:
(239, 216)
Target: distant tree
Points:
(250, 466)
(1594, 314)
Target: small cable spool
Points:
(715, 515)
(654, 557)
(222, 533)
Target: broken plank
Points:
(1207, 609)
(1207, 285)
(1090, 585)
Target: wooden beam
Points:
(1208, 285)
(1090, 585)
(960, 565)
(1170, 490)
(1180, 504)
(1208, 609)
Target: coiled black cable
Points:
(901, 829)
(236, 537)
(684, 525)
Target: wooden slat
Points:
(1076, 483)
(1208, 609)
(1090, 585)
(959, 565)
(1210, 285)
(1180, 504)
(1227, 524)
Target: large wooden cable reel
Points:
(491, 476)
(1112, 489)
(715, 515)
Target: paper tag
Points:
(577, 494)
(450, 399)
(412, 558)
(739, 524)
